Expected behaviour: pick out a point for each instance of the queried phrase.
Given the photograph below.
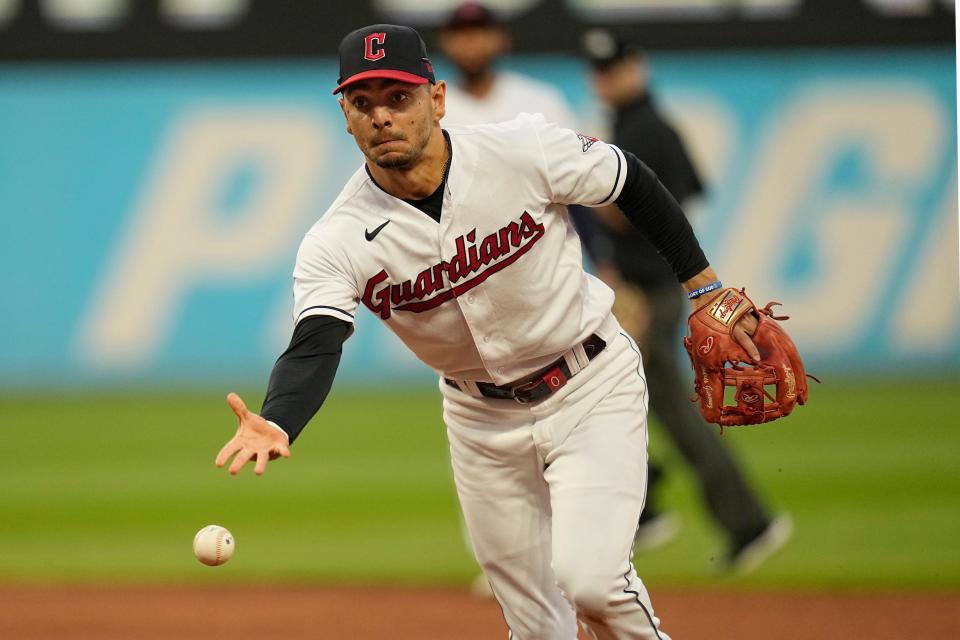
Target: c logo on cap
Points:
(371, 40)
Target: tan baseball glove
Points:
(761, 391)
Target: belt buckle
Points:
(524, 387)
(554, 379)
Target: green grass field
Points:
(112, 487)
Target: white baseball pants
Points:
(551, 494)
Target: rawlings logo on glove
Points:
(763, 391)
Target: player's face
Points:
(473, 50)
(392, 121)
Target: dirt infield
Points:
(292, 613)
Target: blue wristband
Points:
(696, 293)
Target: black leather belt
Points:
(540, 384)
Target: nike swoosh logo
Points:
(370, 235)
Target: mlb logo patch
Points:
(586, 141)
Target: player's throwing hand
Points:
(255, 438)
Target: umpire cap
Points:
(604, 48)
(384, 51)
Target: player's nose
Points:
(381, 117)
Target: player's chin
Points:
(394, 159)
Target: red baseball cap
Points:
(383, 51)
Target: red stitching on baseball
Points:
(219, 541)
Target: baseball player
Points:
(458, 239)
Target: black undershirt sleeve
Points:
(652, 210)
(303, 374)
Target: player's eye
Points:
(360, 103)
(400, 97)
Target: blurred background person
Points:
(650, 306)
(473, 38)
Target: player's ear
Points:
(438, 95)
(343, 107)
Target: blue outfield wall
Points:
(151, 213)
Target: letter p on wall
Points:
(178, 238)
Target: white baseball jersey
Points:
(510, 95)
(496, 290)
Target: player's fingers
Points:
(740, 335)
(749, 324)
(228, 450)
(263, 457)
(242, 458)
(237, 405)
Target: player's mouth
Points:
(377, 143)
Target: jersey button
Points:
(486, 338)
(470, 299)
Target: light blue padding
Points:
(79, 143)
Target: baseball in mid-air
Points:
(213, 545)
